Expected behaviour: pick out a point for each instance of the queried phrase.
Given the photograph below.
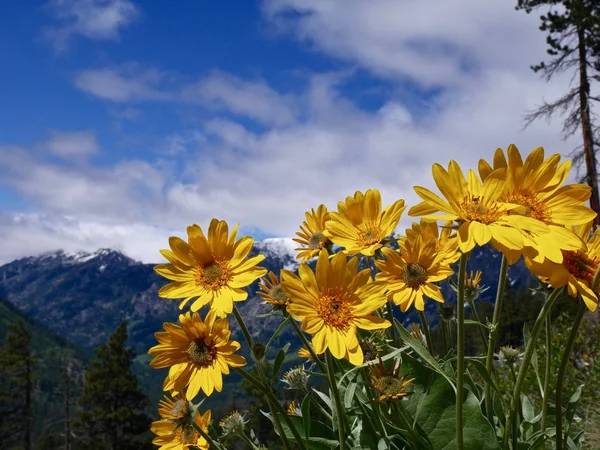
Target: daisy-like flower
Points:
(334, 303)
(446, 242)
(390, 384)
(214, 269)
(293, 409)
(409, 274)
(536, 185)
(577, 269)
(272, 292)
(198, 354)
(311, 235)
(175, 431)
(475, 207)
(177, 408)
(360, 225)
(303, 353)
(233, 424)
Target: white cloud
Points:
(122, 84)
(430, 42)
(93, 19)
(254, 99)
(72, 144)
(218, 91)
(326, 147)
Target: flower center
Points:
(277, 294)
(389, 385)
(317, 240)
(180, 408)
(371, 235)
(580, 265)
(533, 207)
(201, 354)
(414, 275)
(475, 211)
(335, 310)
(213, 277)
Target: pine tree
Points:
(112, 404)
(16, 386)
(573, 28)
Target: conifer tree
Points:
(16, 386)
(573, 39)
(112, 404)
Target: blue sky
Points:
(124, 121)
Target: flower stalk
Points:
(460, 349)
(527, 359)
(489, 360)
(560, 378)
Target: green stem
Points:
(308, 347)
(266, 387)
(460, 350)
(489, 360)
(447, 336)
(560, 378)
(247, 440)
(335, 393)
(394, 332)
(243, 327)
(318, 404)
(205, 435)
(279, 428)
(547, 372)
(515, 425)
(425, 326)
(408, 424)
(527, 359)
(476, 317)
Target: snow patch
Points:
(281, 248)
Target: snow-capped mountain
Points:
(281, 249)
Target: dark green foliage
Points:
(111, 414)
(16, 387)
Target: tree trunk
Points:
(67, 379)
(586, 128)
(28, 388)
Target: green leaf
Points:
(572, 407)
(306, 416)
(279, 330)
(349, 394)
(322, 439)
(279, 360)
(482, 371)
(474, 322)
(528, 412)
(323, 397)
(436, 400)
(422, 352)
(534, 358)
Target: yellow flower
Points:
(577, 269)
(174, 409)
(311, 235)
(446, 242)
(214, 269)
(303, 353)
(536, 185)
(390, 384)
(409, 274)
(360, 225)
(293, 409)
(473, 280)
(272, 292)
(334, 303)
(180, 434)
(197, 352)
(475, 206)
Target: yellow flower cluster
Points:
(522, 208)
